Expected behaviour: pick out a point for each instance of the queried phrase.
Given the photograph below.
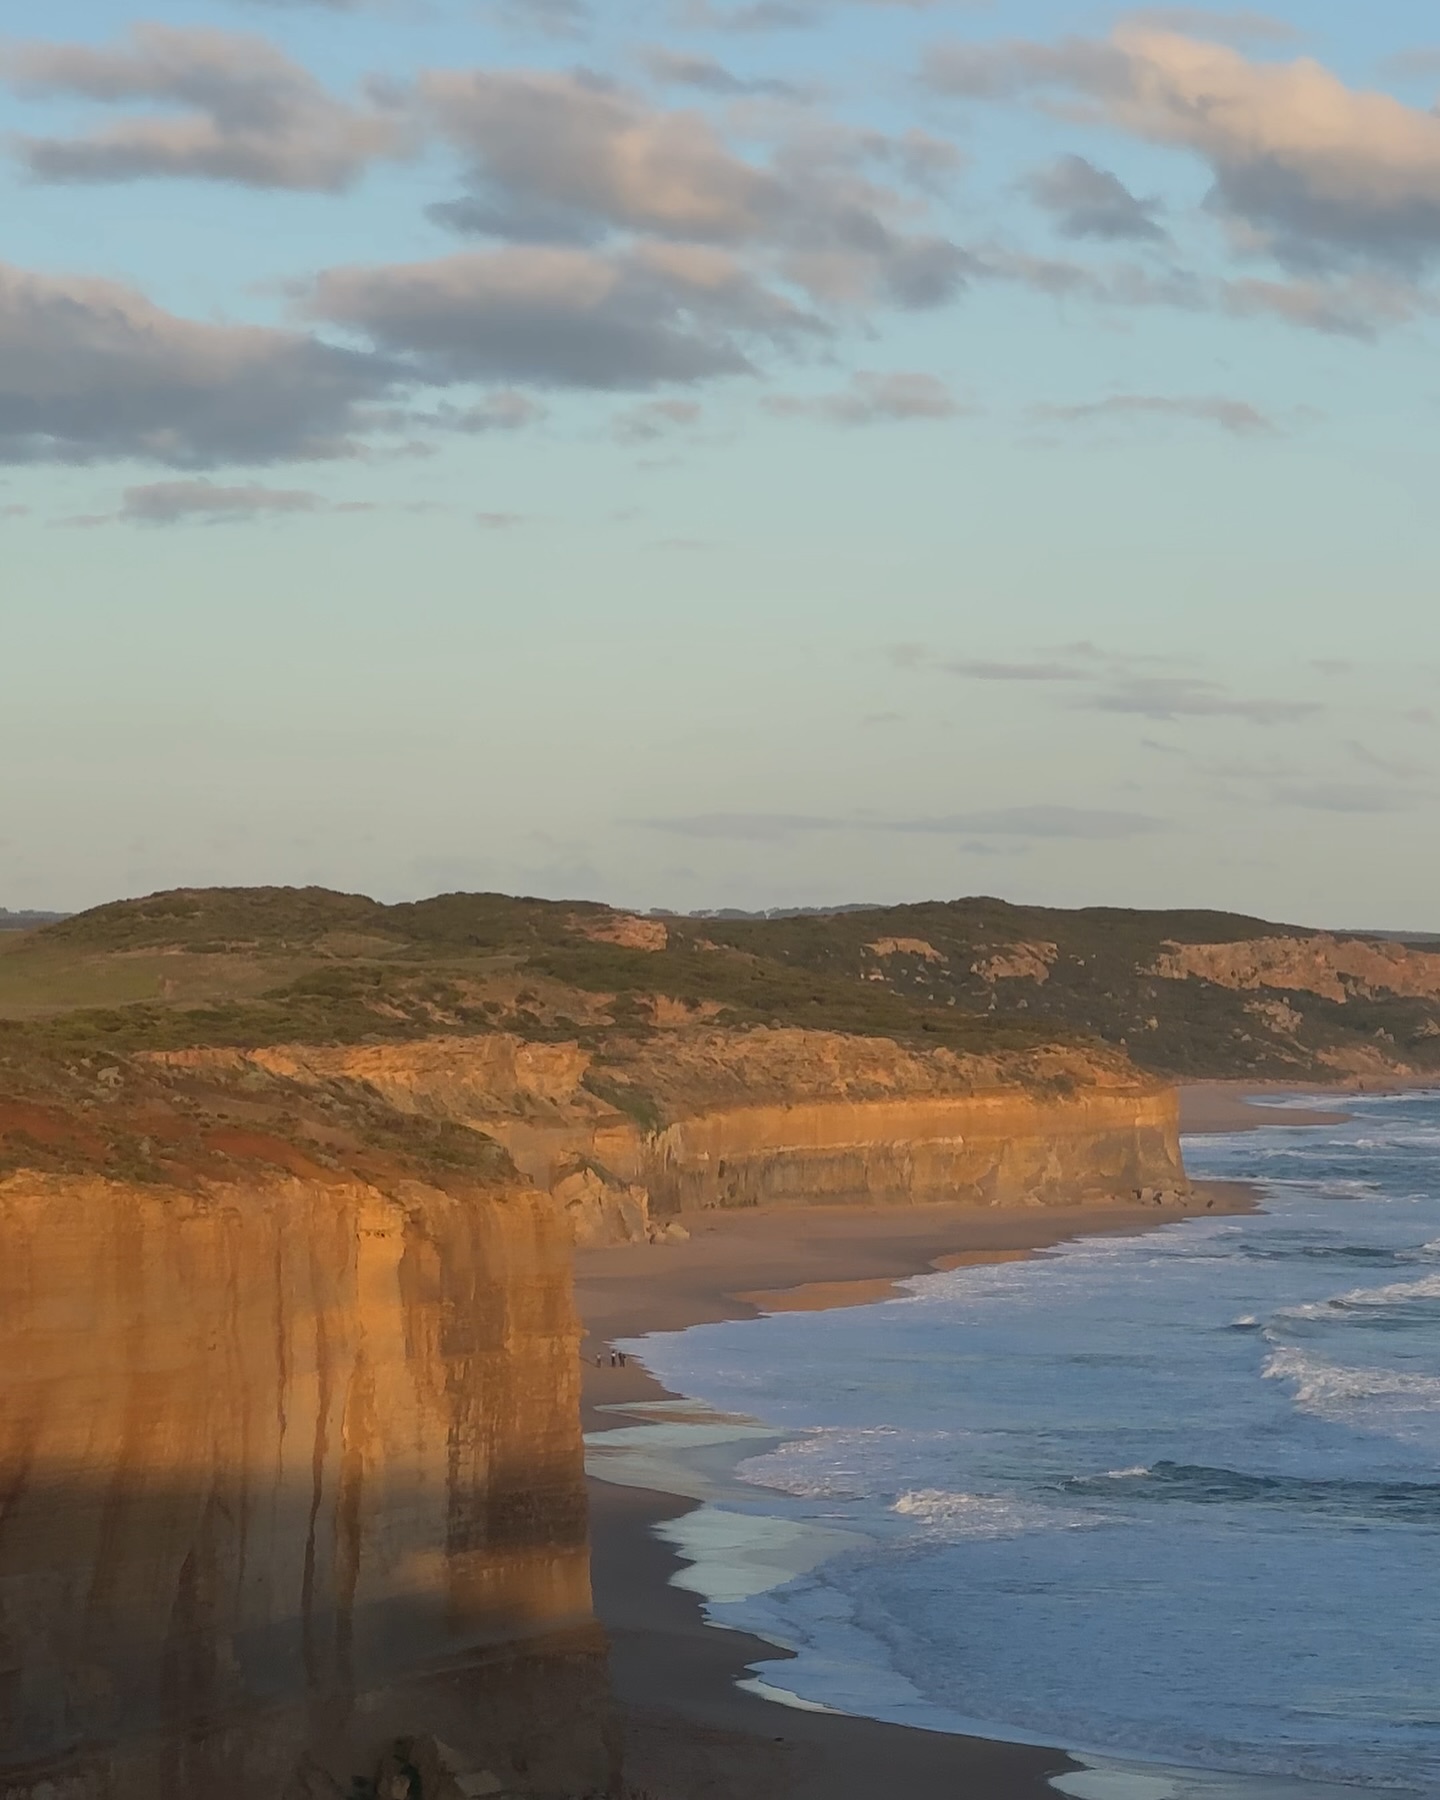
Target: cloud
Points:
(1357, 305)
(874, 398)
(1168, 697)
(551, 148)
(655, 419)
(680, 68)
(654, 314)
(1088, 202)
(506, 409)
(92, 369)
(1025, 822)
(559, 158)
(1320, 173)
(171, 502)
(1238, 417)
(499, 521)
(1341, 797)
(1400, 769)
(248, 113)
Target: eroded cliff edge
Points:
(290, 1460)
(696, 1118)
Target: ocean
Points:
(1170, 1501)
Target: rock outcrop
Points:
(1334, 968)
(289, 1468)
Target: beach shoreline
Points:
(691, 1733)
(1208, 1107)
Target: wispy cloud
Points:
(1238, 417)
(689, 69)
(1103, 682)
(1343, 797)
(1169, 697)
(874, 399)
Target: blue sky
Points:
(709, 454)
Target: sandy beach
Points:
(1213, 1106)
(690, 1733)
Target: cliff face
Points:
(775, 1117)
(986, 1149)
(288, 1467)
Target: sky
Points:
(702, 453)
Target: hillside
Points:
(635, 1067)
(1181, 993)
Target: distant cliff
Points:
(708, 1118)
(290, 1464)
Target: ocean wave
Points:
(833, 1465)
(1364, 1254)
(1370, 1398)
(960, 1515)
(1410, 1501)
(1397, 1303)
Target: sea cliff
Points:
(709, 1118)
(289, 1469)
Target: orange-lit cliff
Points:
(290, 1467)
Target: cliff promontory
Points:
(290, 1460)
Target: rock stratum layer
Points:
(769, 1117)
(288, 1467)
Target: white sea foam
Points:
(984, 1515)
(834, 1465)
(1353, 1396)
(1364, 1299)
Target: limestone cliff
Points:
(289, 1467)
(705, 1118)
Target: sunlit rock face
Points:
(288, 1468)
(999, 1149)
(775, 1117)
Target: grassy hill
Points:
(1185, 993)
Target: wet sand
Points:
(1215, 1106)
(691, 1733)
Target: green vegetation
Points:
(249, 967)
